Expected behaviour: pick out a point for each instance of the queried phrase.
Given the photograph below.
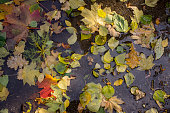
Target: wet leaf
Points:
(107, 57)
(113, 43)
(159, 49)
(4, 80)
(75, 64)
(95, 74)
(68, 23)
(74, 4)
(101, 13)
(146, 19)
(97, 49)
(118, 82)
(129, 79)
(159, 95)
(120, 59)
(4, 94)
(145, 63)
(151, 3)
(107, 66)
(2, 38)
(165, 43)
(76, 56)
(28, 74)
(133, 59)
(121, 68)
(72, 39)
(100, 40)
(120, 23)
(60, 68)
(119, 49)
(135, 91)
(85, 36)
(152, 110)
(112, 103)
(84, 99)
(108, 91)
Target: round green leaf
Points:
(100, 40)
(108, 91)
(60, 68)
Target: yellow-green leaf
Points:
(107, 57)
(101, 13)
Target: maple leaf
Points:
(145, 63)
(19, 48)
(91, 18)
(112, 103)
(143, 35)
(53, 15)
(57, 28)
(28, 74)
(133, 59)
(16, 61)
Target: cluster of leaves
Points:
(94, 97)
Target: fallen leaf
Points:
(133, 59)
(57, 28)
(97, 49)
(19, 48)
(120, 23)
(118, 82)
(159, 49)
(107, 57)
(165, 42)
(113, 43)
(145, 63)
(135, 91)
(53, 15)
(16, 61)
(112, 103)
(108, 91)
(28, 74)
(129, 79)
(74, 4)
(100, 40)
(65, 6)
(4, 94)
(18, 2)
(44, 28)
(4, 80)
(151, 3)
(152, 110)
(112, 31)
(72, 39)
(6, 9)
(137, 13)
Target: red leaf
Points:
(35, 16)
(46, 92)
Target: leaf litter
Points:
(42, 65)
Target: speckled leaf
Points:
(129, 79)
(159, 50)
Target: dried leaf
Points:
(56, 28)
(65, 6)
(16, 61)
(133, 59)
(165, 43)
(44, 28)
(112, 103)
(135, 91)
(112, 31)
(152, 110)
(137, 13)
(53, 15)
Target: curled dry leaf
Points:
(139, 94)
(112, 103)
(16, 61)
(112, 31)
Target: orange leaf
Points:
(133, 59)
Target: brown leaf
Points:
(57, 28)
(133, 59)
